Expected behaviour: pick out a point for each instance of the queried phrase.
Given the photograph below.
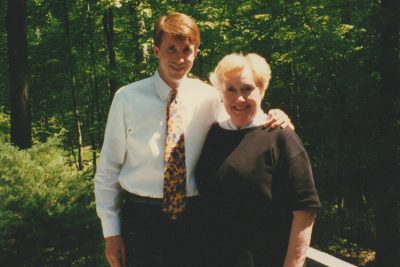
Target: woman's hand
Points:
(277, 117)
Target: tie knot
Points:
(172, 96)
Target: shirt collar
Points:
(163, 88)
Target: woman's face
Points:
(241, 96)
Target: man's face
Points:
(175, 59)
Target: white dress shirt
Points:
(132, 156)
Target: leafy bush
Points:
(4, 126)
(348, 234)
(47, 212)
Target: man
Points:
(133, 163)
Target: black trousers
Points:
(152, 239)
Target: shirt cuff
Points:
(111, 227)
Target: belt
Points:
(133, 198)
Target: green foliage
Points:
(325, 75)
(4, 127)
(347, 234)
(47, 214)
(42, 130)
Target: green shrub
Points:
(348, 234)
(47, 212)
(4, 126)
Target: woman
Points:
(256, 182)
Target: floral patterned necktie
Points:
(174, 164)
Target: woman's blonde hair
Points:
(236, 62)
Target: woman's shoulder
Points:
(283, 140)
(279, 134)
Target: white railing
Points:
(316, 258)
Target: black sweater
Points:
(251, 180)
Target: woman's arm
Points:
(300, 236)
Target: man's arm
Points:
(107, 187)
(277, 117)
(300, 237)
(112, 157)
(115, 251)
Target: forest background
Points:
(335, 66)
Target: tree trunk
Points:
(94, 151)
(138, 33)
(72, 83)
(108, 23)
(21, 130)
(97, 116)
(388, 197)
